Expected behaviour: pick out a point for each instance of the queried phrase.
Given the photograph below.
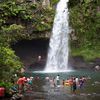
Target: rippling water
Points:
(43, 91)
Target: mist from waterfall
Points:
(57, 59)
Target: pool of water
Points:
(43, 91)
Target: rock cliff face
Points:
(29, 50)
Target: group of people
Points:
(25, 83)
(73, 82)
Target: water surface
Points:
(43, 91)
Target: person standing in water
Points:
(74, 85)
(58, 80)
(39, 58)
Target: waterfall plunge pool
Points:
(43, 91)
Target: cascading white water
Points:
(57, 59)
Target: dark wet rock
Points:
(38, 65)
(78, 62)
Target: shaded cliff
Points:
(29, 50)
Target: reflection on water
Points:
(43, 91)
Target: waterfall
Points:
(57, 59)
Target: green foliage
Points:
(12, 33)
(9, 63)
(11, 29)
(85, 19)
(54, 2)
(11, 9)
(4, 41)
(73, 3)
(88, 53)
(18, 20)
(6, 85)
(41, 21)
(33, 17)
